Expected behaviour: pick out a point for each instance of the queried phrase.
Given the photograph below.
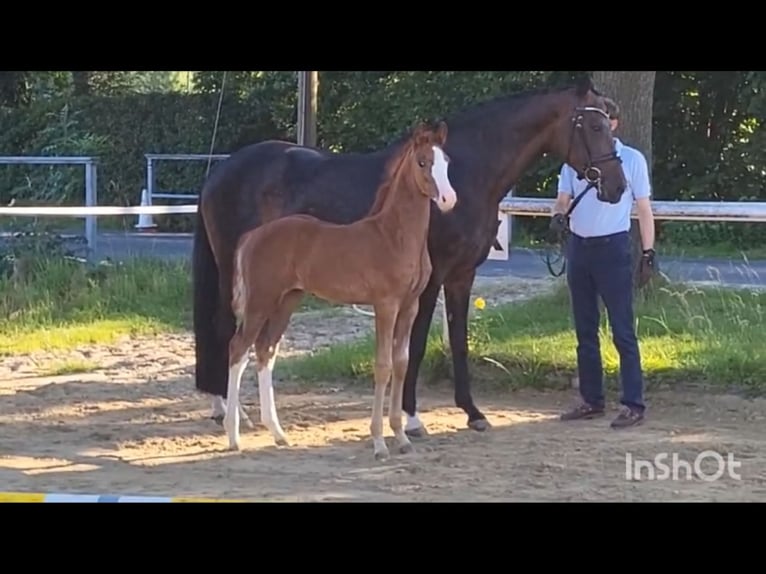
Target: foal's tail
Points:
(211, 351)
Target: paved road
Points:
(522, 263)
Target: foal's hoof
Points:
(217, 419)
(406, 448)
(419, 432)
(281, 441)
(381, 455)
(480, 425)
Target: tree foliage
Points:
(708, 139)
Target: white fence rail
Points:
(510, 205)
(743, 211)
(750, 211)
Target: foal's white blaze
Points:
(447, 195)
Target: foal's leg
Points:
(266, 349)
(385, 315)
(401, 354)
(239, 347)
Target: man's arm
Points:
(642, 191)
(646, 222)
(565, 191)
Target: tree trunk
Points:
(634, 93)
(81, 83)
(14, 91)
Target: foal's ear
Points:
(441, 132)
(420, 133)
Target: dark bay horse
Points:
(490, 144)
(380, 260)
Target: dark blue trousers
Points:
(602, 267)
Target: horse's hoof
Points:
(381, 455)
(406, 448)
(281, 441)
(217, 419)
(480, 425)
(419, 432)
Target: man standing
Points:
(599, 263)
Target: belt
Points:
(598, 240)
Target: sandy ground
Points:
(134, 425)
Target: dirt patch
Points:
(136, 426)
(99, 434)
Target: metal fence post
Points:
(511, 217)
(149, 180)
(91, 200)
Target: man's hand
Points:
(557, 227)
(647, 267)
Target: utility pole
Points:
(308, 82)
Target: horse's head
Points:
(584, 139)
(431, 165)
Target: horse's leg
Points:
(266, 350)
(385, 315)
(457, 294)
(225, 326)
(401, 353)
(418, 340)
(219, 411)
(239, 347)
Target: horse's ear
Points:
(420, 133)
(441, 131)
(584, 84)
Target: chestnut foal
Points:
(381, 260)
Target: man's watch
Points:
(649, 252)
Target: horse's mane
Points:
(504, 102)
(393, 169)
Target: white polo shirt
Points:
(593, 218)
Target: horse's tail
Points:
(211, 351)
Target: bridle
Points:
(591, 173)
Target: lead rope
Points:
(565, 232)
(215, 125)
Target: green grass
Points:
(63, 304)
(688, 336)
(68, 367)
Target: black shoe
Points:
(628, 417)
(583, 411)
